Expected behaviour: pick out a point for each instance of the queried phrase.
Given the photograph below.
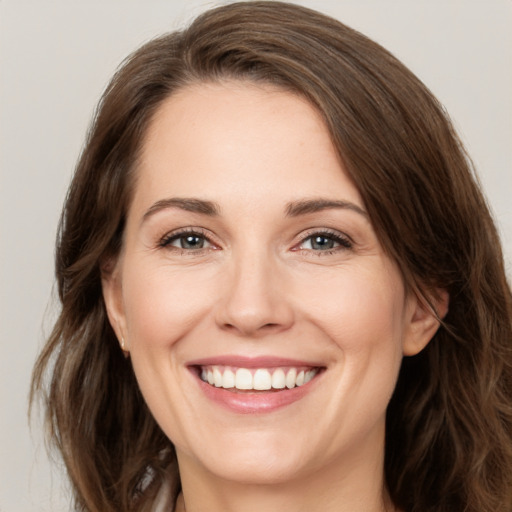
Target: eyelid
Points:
(345, 241)
(165, 240)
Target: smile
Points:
(255, 385)
(256, 379)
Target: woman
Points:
(281, 286)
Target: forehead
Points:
(238, 139)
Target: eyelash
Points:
(343, 241)
(168, 239)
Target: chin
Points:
(259, 459)
(260, 471)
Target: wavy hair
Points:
(449, 422)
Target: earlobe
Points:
(112, 296)
(424, 320)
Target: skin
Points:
(259, 287)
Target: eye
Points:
(325, 242)
(186, 240)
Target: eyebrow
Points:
(293, 209)
(306, 206)
(188, 204)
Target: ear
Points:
(424, 317)
(111, 285)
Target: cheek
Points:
(363, 317)
(358, 309)
(361, 314)
(163, 304)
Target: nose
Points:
(255, 299)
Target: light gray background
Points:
(55, 59)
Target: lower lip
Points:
(255, 402)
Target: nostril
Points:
(251, 330)
(253, 317)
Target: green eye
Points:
(322, 243)
(189, 241)
(325, 242)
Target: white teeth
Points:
(291, 377)
(217, 378)
(228, 379)
(278, 379)
(243, 379)
(260, 379)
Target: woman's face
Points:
(249, 261)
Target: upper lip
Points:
(252, 362)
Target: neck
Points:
(357, 488)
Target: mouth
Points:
(260, 385)
(256, 379)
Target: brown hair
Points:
(449, 424)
